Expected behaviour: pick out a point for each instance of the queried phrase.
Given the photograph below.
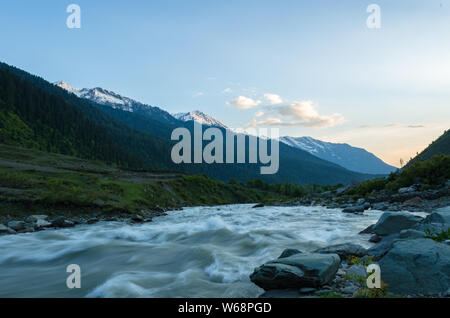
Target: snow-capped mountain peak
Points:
(66, 86)
(351, 158)
(199, 117)
(109, 98)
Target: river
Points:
(196, 252)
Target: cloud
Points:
(227, 91)
(198, 94)
(416, 126)
(243, 102)
(259, 114)
(301, 113)
(273, 99)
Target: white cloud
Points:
(303, 113)
(273, 99)
(243, 102)
(198, 94)
(259, 114)
(227, 91)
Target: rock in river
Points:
(297, 271)
(390, 223)
(289, 252)
(343, 250)
(439, 216)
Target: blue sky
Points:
(386, 89)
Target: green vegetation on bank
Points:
(32, 181)
(438, 146)
(430, 174)
(288, 189)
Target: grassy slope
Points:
(32, 181)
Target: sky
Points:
(309, 68)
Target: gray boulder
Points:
(41, 223)
(343, 250)
(419, 266)
(356, 269)
(6, 230)
(407, 189)
(368, 230)
(381, 248)
(390, 223)
(380, 206)
(297, 271)
(439, 216)
(411, 234)
(61, 222)
(354, 209)
(35, 218)
(17, 225)
(289, 252)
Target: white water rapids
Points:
(196, 252)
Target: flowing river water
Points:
(196, 252)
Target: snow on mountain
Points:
(199, 117)
(351, 158)
(108, 98)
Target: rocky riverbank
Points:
(33, 223)
(413, 254)
(415, 198)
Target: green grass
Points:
(438, 236)
(37, 181)
(430, 173)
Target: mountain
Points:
(351, 158)
(437, 147)
(116, 101)
(199, 117)
(37, 114)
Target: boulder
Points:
(6, 230)
(35, 218)
(411, 234)
(289, 252)
(381, 248)
(92, 220)
(356, 269)
(297, 271)
(380, 206)
(259, 205)
(61, 222)
(343, 250)
(17, 225)
(390, 223)
(407, 189)
(418, 266)
(368, 230)
(439, 216)
(354, 209)
(374, 238)
(41, 223)
(360, 201)
(137, 218)
(413, 201)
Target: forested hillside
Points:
(40, 115)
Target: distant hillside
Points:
(41, 115)
(437, 147)
(351, 158)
